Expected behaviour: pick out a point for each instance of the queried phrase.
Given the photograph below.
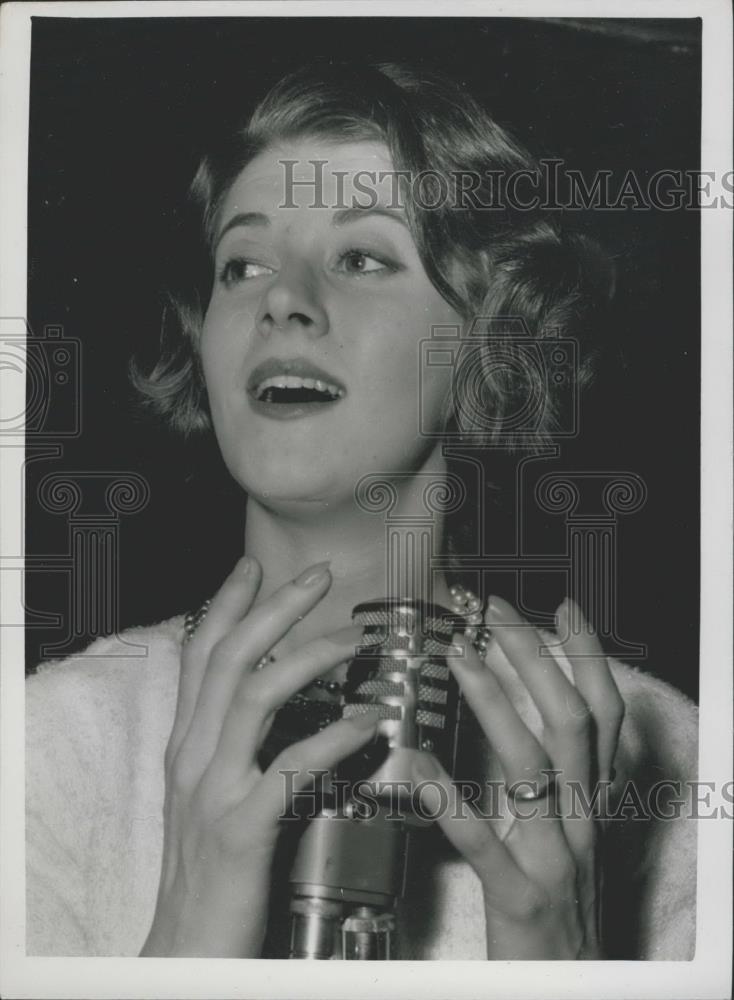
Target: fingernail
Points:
(244, 566)
(425, 767)
(570, 607)
(458, 645)
(365, 720)
(496, 606)
(459, 640)
(313, 575)
(461, 655)
(349, 636)
(577, 620)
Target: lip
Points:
(303, 368)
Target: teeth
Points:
(296, 382)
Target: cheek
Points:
(214, 371)
(222, 348)
(394, 364)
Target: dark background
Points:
(120, 111)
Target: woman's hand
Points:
(221, 810)
(541, 883)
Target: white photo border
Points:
(709, 974)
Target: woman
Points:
(337, 235)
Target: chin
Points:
(291, 486)
(322, 476)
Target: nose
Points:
(291, 303)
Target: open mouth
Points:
(292, 387)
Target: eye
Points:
(359, 262)
(238, 269)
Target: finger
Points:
(259, 694)
(519, 753)
(560, 705)
(229, 605)
(267, 622)
(283, 678)
(567, 721)
(504, 883)
(293, 769)
(594, 680)
(240, 649)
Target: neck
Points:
(373, 554)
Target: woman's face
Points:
(311, 340)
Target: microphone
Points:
(350, 866)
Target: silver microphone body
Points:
(350, 866)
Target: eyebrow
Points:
(243, 219)
(341, 218)
(347, 215)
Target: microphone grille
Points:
(400, 671)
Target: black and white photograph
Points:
(366, 447)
